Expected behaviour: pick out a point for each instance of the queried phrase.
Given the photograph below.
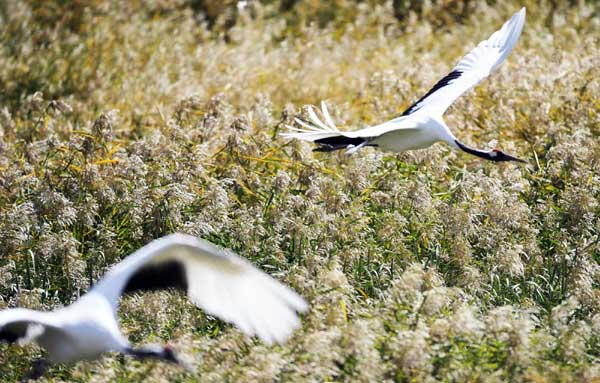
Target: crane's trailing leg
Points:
(353, 149)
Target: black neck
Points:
(149, 353)
(475, 152)
(495, 155)
(143, 353)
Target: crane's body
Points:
(410, 134)
(89, 327)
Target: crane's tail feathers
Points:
(309, 127)
(307, 135)
(323, 132)
(328, 125)
(313, 128)
(327, 116)
(316, 124)
(294, 129)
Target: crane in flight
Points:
(422, 124)
(216, 280)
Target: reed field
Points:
(121, 122)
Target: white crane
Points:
(422, 124)
(216, 280)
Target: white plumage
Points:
(216, 280)
(421, 125)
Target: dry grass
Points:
(122, 122)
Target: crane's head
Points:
(498, 155)
(495, 154)
(168, 354)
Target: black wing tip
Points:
(11, 336)
(440, 84)
(158, 276)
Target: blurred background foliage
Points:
(56, 49)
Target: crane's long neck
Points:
(476, 152)
(443, 132)
(162, 353)
(495, 155)
(446, 135)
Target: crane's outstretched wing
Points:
(472, 68)
(216, 280)
(24, 325)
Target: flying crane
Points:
(422, 124)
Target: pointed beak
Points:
(188, 367)
(170, 356)
(508, 157)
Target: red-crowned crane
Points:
(422, 124)
(216, 280)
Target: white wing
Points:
(216, 280)
(24, 325)
(472, 68)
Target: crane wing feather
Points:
(24, 325)
(472, 68)
(215, 279)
